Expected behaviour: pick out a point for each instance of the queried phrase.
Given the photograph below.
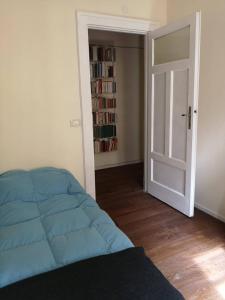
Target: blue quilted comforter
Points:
(47, 221)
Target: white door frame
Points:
(87, 21)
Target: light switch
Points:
(75, 123)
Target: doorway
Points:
(117, 88)
(167, 177)
(85, 22)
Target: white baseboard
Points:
(119, 164)
(210, 212)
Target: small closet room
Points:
(117, 90)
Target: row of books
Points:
(102, 118)
(103, 103)
(105, 145)
(99, 53)
(102, 69)
(100, 86)
(104, 131)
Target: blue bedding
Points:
(47, 221)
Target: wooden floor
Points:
(189, 252)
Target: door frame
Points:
(85, 21)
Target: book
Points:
(105, 145)
(101, 53)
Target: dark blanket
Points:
(128, 274)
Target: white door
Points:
(172, 113)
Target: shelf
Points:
(102, 61)
(107, 98)
(105, 124)
(105, 138)
(102, 78)
(101, 94)
(106, 151)
(103, 109)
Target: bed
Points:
(56, 243)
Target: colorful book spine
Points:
(99, 103)
(99, 53)
(103, 118)
(105, 145)
(100, 86)
(104, 131)
(102, 70)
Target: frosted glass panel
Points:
(173, 46)
(180, 107)
(159, 113)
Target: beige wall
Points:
(39, 78)
(210, 182)
(39, 85)
(130, 97)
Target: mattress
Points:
(48, 221)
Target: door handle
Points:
(189, 117)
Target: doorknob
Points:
(183, 115)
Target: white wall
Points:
(39, 78)
(210, 182)
(130, 97)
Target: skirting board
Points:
(210, 212)
(118, 165)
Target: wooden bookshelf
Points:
(103, 89)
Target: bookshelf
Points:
(103, 91)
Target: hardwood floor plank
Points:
(189, 252)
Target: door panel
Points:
(169, 176)
(172, 118)
(159, 113)
(179, 115)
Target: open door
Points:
(172, 113)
